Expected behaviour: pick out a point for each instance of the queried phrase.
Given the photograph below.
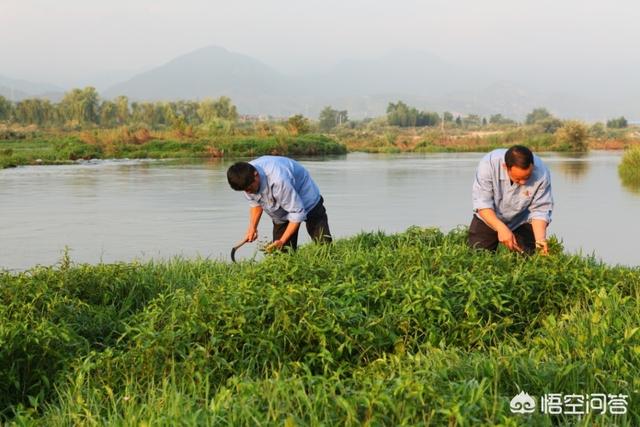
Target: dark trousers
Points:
(481, 236)
(317, 224)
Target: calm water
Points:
(119, 211)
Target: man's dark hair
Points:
(519, 156)
(240, 175)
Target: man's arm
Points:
(255, 212)
(505, 235)
(540, 233)
(540, 213)
(292, 227)
(290, 201)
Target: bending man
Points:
(283, 189)
(512, 201)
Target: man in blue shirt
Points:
(283, 189)
(512, 201)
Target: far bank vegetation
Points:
(84, 126)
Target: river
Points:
(109, 211)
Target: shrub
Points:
(629, 168)
(598, 131)
(72, 149)
(573, 135)
(618, 123)
(301, 145)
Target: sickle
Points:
(235, 248)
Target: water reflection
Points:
(574, 166)
(631, 187)
(123, 211)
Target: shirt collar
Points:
(503, 172)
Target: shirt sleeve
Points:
(542, 202)
(290, 201)
(482, 192)
(252, 202)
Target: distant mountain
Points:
(363, 87)
(210, 72)
(17, 90)
(398, 72)
(12, 94)
(256, 88)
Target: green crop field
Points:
(406, 329)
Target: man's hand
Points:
(255, 212)
(543, 247)
(540, 233)
(507, 238)
(275, 245)
(252, 234)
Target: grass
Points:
(629, 168)
(302, 145)
(32, 146)
(61, 149)
(405, 329)
(387, 139)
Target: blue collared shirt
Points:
(514, 204)
(287, 192)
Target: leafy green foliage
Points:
(597, 130)
(538, 115)
(629, 168)
(618, 123)
(407, 329)
(69, 149)
(83, 108)
(295, 146)
(72, 149)
(330, 118)
(400, 114)
(6, 109)
(573, 135)
(499, 119)
(80, 106)
(543, 120)
(298, 124)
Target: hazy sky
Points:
(78, 42)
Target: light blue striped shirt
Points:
(514, 204)
(287, 192)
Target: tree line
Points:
(81, 107)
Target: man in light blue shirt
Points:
(512, 201)
(283, 189)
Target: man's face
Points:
(255, 185)
(519, 175)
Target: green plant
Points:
(574, 135)
(412, 328)
(629, 168)
(71, 149)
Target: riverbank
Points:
(35, 147)
(434, 140)
(66, 149)
(410, 328)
